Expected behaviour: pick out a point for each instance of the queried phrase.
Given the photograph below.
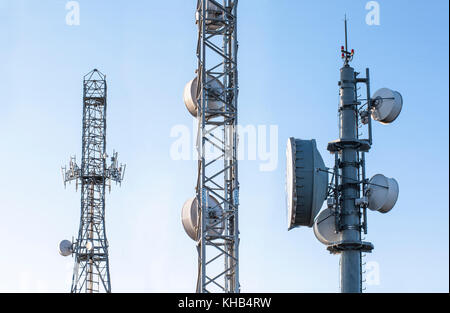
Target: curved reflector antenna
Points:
(382, 193)
(214, 16)
(190, 216)
(325, 228)
(306, 182)
(65, 248)
(215, 88)
(387, 105)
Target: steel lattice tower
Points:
(218, 176)
(91, 270)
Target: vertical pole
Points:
(350, 266)
(369, 103)
(363, 167)
(232, 164)
(346, 42)
(227, 183)
(203, 106)
(90, 273)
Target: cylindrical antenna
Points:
(346, 42)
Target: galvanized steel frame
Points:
(218, 176)
(91, 270)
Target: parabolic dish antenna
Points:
(215, 88)
(382, 193)
(65, 248)
(306, 182)
(214, 16)
(325, 228)
(388, 105)
(190, 218)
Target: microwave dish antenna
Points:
(306, 182)
(190, 218)
(65, 248)
(215, 90)
(387, 105)
(325, 227)
(214, 16)
(382, 193)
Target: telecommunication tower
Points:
(91, 270)
(211, 217)
(349, 193)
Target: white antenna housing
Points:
(387, 105)
(306, 182)
(214, 16)
(382, 193)
(325, 228)
(190, 217)
(215, 88)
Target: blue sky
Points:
(289, 67)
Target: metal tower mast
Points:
(218, 176)
(91, 270)
(350, 181)
(349, 194)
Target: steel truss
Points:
(91, 270)
(218, 174)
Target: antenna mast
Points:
(212, 98)
(348, 166)
(353, 192)
(349, 194)
(217, 59)
(91, 270)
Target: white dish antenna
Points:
(215, 88)
(214, 16)
(387, 105)
(65, 248)
(382, 193)
(306, 182)
(325, 228)
(190, 218)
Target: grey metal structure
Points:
(91, 270)
(218, 175)
(349, 194)
(307, 182)
(350, 183)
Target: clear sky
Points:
(289, 67)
